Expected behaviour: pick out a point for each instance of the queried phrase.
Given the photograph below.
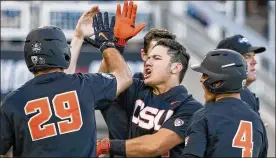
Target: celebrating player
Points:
(53, 114)
(159, 106)
(241, 45)
(227, 126)
(114, 115)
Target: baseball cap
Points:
(240, 44)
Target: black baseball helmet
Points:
(223, 65)
(46, 47)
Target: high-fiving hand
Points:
(83, 27)
(125, 23)
(118, 32)
(104, 33)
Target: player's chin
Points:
(149, 81)
(252, 78)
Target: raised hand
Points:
(125, 23)
(103, 31)
(83, 27)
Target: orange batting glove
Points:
(125, 23)
(103, 146)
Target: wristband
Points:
(106, 45)
(120, 48)
(122, 42)
(118, 147)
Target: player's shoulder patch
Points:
(178, 122)
(107, 75)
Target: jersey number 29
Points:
(66, 107)
(244, 138)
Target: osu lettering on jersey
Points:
(147, 112)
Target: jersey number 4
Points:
(66, 107)
(244, 138)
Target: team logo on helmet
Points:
(34, 59)
(41, 60)
(36, 48)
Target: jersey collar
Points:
(47, 77)
(173, 92)
(225, 101)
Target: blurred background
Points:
(199, 26)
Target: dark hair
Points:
(178, 53)
(37, 70)
(156, 34)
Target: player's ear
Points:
(176, 68)
(144, 55)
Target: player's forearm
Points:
(76, 44)
(143, 146)
(147, 145)
(103, 68)
(116, 64)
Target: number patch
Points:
(66, 107)
(244, 138)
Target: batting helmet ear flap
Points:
(212, 86)
(67, 56)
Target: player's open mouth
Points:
(147, 72)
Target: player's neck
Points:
(163, 88)
(48, 71)
(248, 83)
(228, 95)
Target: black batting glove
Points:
(104, 33)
